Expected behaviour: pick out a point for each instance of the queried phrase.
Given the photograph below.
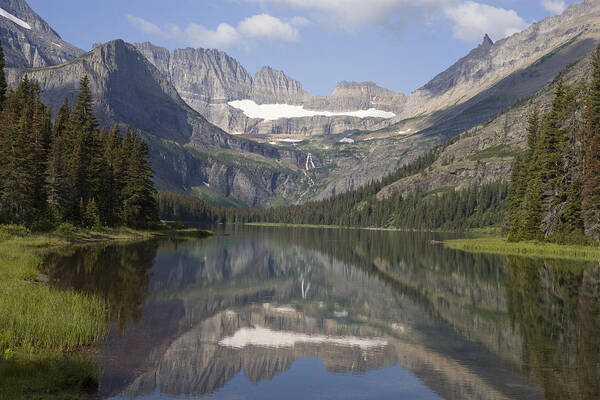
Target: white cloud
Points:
(261, 26)
(267, 26)
(353, 14)
(472, 20)
(143, 25)
(554, 6)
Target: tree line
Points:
(476, 206)
(67, 170)
(555, 185)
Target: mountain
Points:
(28, 41)
(486, 152)
(359, 133)
(188, 152)
(210, 80)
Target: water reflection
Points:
(389, 315)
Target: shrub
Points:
(66, 230)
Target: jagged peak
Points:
(269, 71)
(487, 41)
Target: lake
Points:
(281, 313)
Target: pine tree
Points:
(82, 135)
(139, 204)
(516, 196)
(591, 178)
(3, 85)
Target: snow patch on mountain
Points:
(273, 112)
(14, 19)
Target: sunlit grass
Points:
(41, 326)
(526, 249)
(35, 317)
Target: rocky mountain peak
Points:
(487, 41)
(28, 41)
(271, 85)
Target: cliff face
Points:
(490, 63)
(209, 79)
(275, 87)
(485, 153)
(28, 41)
(129, 90)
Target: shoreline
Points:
(35, 335)
(501, 246)
(310, 226)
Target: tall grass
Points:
(33, 317)
(526, 249)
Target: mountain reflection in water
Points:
(308, 313)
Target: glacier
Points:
(273, 112)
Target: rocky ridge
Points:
(209, 79)
(31, 43)
(128, 90)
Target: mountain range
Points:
(219, 133)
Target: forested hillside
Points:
(554, 193)
(68, 170)
(447, 209)
(555, 185)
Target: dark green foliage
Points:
(177, 207)
(2, 78)
(555, 192)
(591, 178)
(69, 171)
(449, 209)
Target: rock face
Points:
(209, 79)
(275, 87)
(490, 79)
(129, 90)
(28, 41)
(491, 62)
(463, 163)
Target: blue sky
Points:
(399, 44)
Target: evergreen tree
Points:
(591, 178)
(515, 199)
(139, 204)
(3, 85)
(69, 171)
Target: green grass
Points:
(43, 330)
(36, 317)
(500, 151)
(48, 376)
(526, 249)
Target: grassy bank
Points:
(45, 332)
(526, 249)
(41, 326)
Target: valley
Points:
(177, 222)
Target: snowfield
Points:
(14, 19)
(273, 112)
(264, 337)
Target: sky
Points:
(398, 44)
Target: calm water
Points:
(269, 313)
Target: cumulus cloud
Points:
(353, 14)
(263, 26)
(472, 20)
(267, 26)
(554, 6)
